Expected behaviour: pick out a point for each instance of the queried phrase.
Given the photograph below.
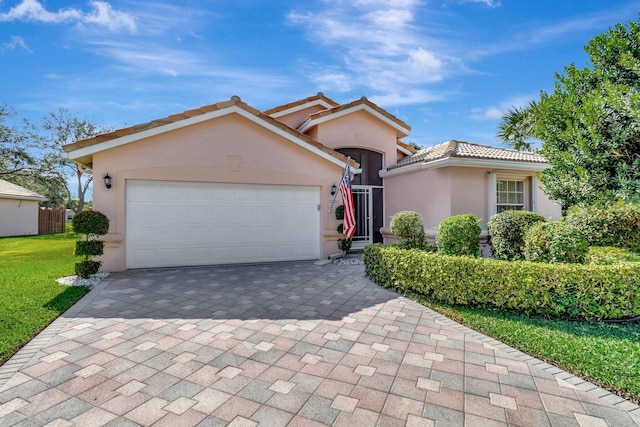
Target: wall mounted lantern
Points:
(107, 181)
(334, 190)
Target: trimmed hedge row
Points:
(616, 224)
(592, 292)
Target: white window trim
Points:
(493, 194)
(523, 181)
(492, 186)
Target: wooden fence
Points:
(51, 220)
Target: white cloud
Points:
(490, 113)
(102, 14)
(378, 47)
(15, 42)
(411, 97)
(495, 112)
(488, 3)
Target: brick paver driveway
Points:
(283, 344)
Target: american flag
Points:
(349, 226)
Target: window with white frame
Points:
(510, 194)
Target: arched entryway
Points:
(367, 196)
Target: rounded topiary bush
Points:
(89, 247)
(407, 227)
(507, 230)
(616, 224)
(86, 268)
(91, 223)
(555, 241)
(339, 212)
(459, 235)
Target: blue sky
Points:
(449, 68)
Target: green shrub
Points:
(459, 235)
(555, 241)
(616, 224)
(90, 247)
(340, 228)
(339, 213)
(92, 223)
(607, 255)
(507, 233)
(89, 223)
(86, 268)
(345, 244)
(559, 290)
(407, 227)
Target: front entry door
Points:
(363, 205)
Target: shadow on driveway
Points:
(293, 290)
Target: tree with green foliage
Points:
(517, 128)
(63, 128)
(590, 123)
(25, 158)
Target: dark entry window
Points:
(370, 162)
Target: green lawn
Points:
(30, 297)
(605, 354)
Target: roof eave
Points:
(84, 155)
(23, 197)
(473, 162)
(404, 150)
(320, 102)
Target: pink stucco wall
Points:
(201, 153)
(426, 191)
(18, 217)
(438, 193)
(361, 130)
(546, 207)
(469, 192)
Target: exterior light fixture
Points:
(107, 181)
(334, 190)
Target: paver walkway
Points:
(283, 344)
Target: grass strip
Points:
(30, 297)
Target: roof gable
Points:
(82, 151)
(292, 107)
(402, 129)
(9, 190)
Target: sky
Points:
(448, 68)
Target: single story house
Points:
(227, 183)
(458, 177)
(18, 210)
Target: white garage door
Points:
(188, 223)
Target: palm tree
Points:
(518, 127)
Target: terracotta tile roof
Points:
(197, 112)
(147, 125)
(462, 149)
(9, 190)
(310, 99)
(361, 101)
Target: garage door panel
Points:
(244, 215)
(198, 214)
(180, 224)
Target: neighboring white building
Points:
(18, 210)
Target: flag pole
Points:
(339, 184)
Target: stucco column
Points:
(492, 197)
